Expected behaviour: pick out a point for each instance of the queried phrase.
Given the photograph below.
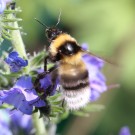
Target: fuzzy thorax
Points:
(59, 41)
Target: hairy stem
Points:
(39, 124)
(17, 41)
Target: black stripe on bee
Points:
(75, 82)
(77, 87)
(74, 78)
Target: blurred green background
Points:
(108, 26)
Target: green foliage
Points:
(87, 109)
(6, 20)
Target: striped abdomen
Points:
(75, 82)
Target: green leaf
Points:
(64, 115)
(89, 108)
(11, 28)
(51, 98)
(4, 106)
(3, 81)
(6, 32)
(82, 114)
(1, 40)
(6, 37)
(11, 20)
(93, 108)
(12, 75)
(37, 59)
(53, 102)
(57, 109)
(12, 11)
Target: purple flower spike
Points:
(96, 78)
(15, 62)
(125, 131)
(3, 5)
(22, 96)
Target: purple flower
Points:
(15, 62)
(124, 131)
(46, 84)
(20, 122)
(14, 122)
(3, 5)
(22, 96)
(4, 123)
(96, 78)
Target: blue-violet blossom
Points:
(3, 4)
(124, 131)
(46, 82)
(4, 123)
(96, 78)
(14, 123)
(22, 96)
(15, 62)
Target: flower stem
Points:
(17, 41)
(52, 129)
(39, 124)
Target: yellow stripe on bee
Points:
(62, 38)
(73, 59)
(68, 68)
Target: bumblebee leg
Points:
(42, 75)
(45, 63)
(63, 102)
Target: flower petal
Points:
(96, 78)
(125, 131)
(22, 96)
(15, 62)
(2, 6)
(4, 122)
(13, 55)
(46, 82)
(24, 82)
(16, 98)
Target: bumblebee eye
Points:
(69, 48)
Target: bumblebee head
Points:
(52, 33)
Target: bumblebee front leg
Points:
(45, 63)
(42, 75)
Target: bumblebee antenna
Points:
(41, 23)
(58, 18)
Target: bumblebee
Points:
(71, 70)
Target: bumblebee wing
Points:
(99, 57)
(54, 74)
